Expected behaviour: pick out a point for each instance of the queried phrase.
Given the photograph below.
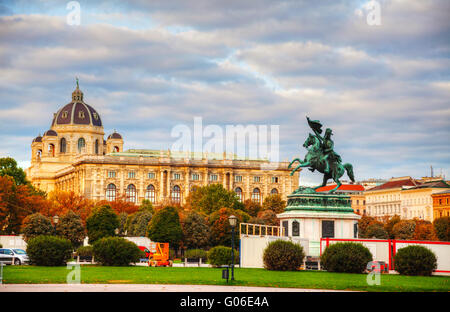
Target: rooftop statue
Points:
(322, 157)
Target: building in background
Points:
(73, 156)
(356, 192)
(441, 204)
(371, 183)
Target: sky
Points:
(147, 66)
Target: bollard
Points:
(200, 262)
(185, 261)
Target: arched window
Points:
(116, 149)
(150, 194)
(81, 145)
(111, 192)
(130, 193)
(51, 150)
(274, 191)
(62, 145)
(176, 194)
(238, 192)
(96, 147)
(256, 195)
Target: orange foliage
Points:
(63, 202)
(120, 205)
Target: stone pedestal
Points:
(313, 215)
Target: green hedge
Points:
(283, 255)
(221, 255)
(345, 257)
(85, 251)
(49, 250)
(196, 254)
(116, 251)
(415, 260)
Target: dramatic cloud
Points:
(147, 66)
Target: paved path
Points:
(143, 288)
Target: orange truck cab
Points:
(157, 254)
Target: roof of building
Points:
(114, 135)
(342, 188)
(395, 183)
(433, 184)
(440, 193)
(77, 113)
(37, 139)
(50, 133)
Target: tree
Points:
(389, 225)
(211, 198)
(165, 227)
(16, 202)
(196, 230)
(120, 205)
(404, 229)
(62, 202)
(266, 217)
(363, 224)
(138, 222)
(8, 167)
(376, 230)
(251, 207)
(423, 230)
(101, 223)
(220, 229)
(36, 224)
(147, 205)
(442, 228)
(70, 226)
(274, 202)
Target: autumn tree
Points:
(442, 228)
(363, 224)
(64, 201)
(120, 205)
(376, 230)
(274, 202)
(266, 217)
(252, 208)
(423, 230)
(196, 230)
(389, 225)
(404, 229)
(211, 198)
(220, 229)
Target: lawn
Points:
(210, 276)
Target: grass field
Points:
(211, 276)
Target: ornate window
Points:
(274, 191)
(51, 149)
(238, 192)
(130, 193)
(256, 179)
(131, 174)
(116, 149)
(295, 228)
(176, 194)
(213, 177)
(96, 147)
(274, 179)
(195, 177)
(62, 145)
(177, 176)
(238, 178)
(111, 192)
(256, 195)
(150, 194)
(81, 114)
(64, 114)
(81, 145)
(151, 175)
(111, 174)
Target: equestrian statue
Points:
(322, 157)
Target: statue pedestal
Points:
(313, 215)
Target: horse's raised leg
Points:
(324, 182)
(305, 164)
(293, 161)
(337, 186)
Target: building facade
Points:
(441, 204)
(73, 156)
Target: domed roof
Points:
(50, 133)
(77, 112)
(114, 135)
(37, 139)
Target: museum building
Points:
(74, 156)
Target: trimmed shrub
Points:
(85, 252)
(196, 254)
(102, 223)
(442, 228)
(345, 257)
(221, 255)
(116, 251)
(283, 255)
(415, 260)
(70, 226)
(35, 225)
(165, 227)
(49, 250)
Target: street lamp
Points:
(55, 221)
(233, 221)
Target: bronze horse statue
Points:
(316, 160)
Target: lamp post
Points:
(116, 231)
(55, 221)
(233, 221)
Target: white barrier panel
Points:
(378, 249)
(13, 241)
(252, 249)
(140, 241)
(440, 249)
